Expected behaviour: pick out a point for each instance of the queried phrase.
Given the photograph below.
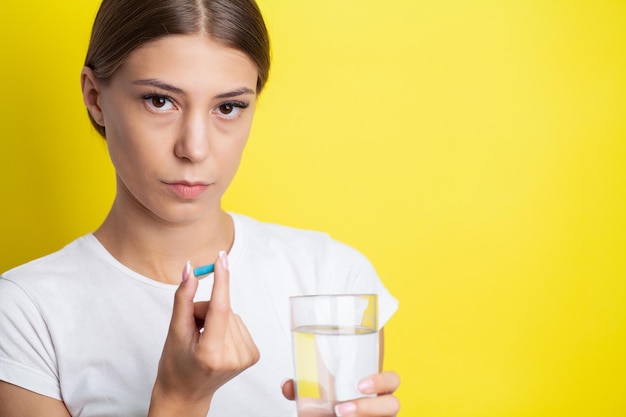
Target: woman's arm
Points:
(195, 363)
(16, 401)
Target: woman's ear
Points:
(91, 94)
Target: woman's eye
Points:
(227, 108)
(231, 109)
(159, 102)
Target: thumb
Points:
(183, 311)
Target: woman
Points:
(106, 326)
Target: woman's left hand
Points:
(385, 404)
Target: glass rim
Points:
(339, 295)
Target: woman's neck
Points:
(159, 249)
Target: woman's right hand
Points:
(195, 363)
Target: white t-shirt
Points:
(80, 327)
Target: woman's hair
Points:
(121, 26)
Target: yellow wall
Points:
(474, 150)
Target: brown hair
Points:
(121, 26)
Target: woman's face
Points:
(177, 116)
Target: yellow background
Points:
(474, 150)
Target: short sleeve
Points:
(370, 281)
(27, 356)
(359, 277)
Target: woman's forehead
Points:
(190, 60)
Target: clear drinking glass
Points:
(335, 345)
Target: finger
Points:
(217, 317)
(381, 406)
(244, 340)
(382, 383)
(183, 310)
(288, 389)
(200, 309)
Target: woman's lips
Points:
(187, 190)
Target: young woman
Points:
(106, 326)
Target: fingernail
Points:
(224, 259)
(345, 409)
(186, 271)
(366, 386)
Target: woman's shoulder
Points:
(301, 261)
(61, 262)
(279, 238)
(275, 233)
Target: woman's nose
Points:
(193, 142)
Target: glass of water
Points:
(335, 345)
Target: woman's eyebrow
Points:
(235, 93)
(159, 84)
(171, 88)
